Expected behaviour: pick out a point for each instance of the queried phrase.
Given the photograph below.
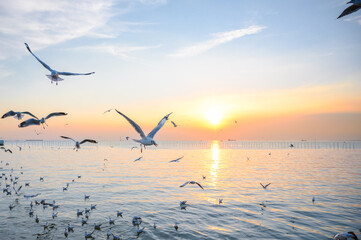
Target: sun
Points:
(214, 116)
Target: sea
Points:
(314, 190)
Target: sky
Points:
(245, 70)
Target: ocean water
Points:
(149, 188)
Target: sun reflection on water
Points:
(215, 158)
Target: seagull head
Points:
(154, 143)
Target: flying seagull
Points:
(351, 9)
(36, 121)
(191, 182)
(54, 75)
(177, 160)
(77, 144)
(175, 125)
(108, 111)
(345, 236)
(265, 186)
(146, 140)
(6, 150)
(17, 115)
(138, 159)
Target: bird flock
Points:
(145, 140)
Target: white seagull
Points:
(17, 115)
(177, 160)
(146, 140)
(54, 75)
(191, 182)
(351, 9)
(77, 144)
(36, 121)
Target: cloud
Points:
(43, 23)
(120, 51)
(217, 39)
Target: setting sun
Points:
(214, 116)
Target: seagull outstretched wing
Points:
(184, 184)
(42, 63)
(349, 10)
(88, 140)
(29, 122)
(68, 138)
(30, 114)
(134, 124)
(8, 114)
(159, 126)
(55, 114)
(199, 185)
(69, 73)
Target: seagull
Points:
(137, 220)
(345, 236)
(19, 148)
(37, 133)
(97, 226)
(138, 159)
(70, 228)
(54, 75)
(31, 196)
(175, 125)
(17, 191)
(78, 212)
(133, 147)
(176, 226)
(36, 219)
(54, 215)
(6, 150)
(353, 8)
(264, 187)
(66, 232)
(107, 111)
(146, 140)
(116, 237)
(119, 214)
(89, 235)
(220, 201)
(77, 144)
(182, 203)
(313, 200)
(155, 226)
(191, 182)
(109, 233)
(92, 206)
(177, 160)
(11, 206)
(111, 221)
(36, 121)
(127, 138)
(83, 221)
(17, 115)
(140, 231)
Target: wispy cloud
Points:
(119, 51)
(217, 39)
(48, 22)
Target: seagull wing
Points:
(262, 185)
(267, 185)
(42, 63)
(55, 114)
(68, 138)
(184, 184)
(134, 124)
(199, 185)
(20, 188)
(8, 114)
(159, 126)
(69, 73)
(88, 140)
(349, 10)
(29, 114)
(29, 122)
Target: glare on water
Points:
(149, 188)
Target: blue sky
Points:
(240, 57)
